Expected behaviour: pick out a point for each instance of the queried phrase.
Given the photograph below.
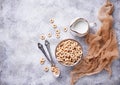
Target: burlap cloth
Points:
(103, 48)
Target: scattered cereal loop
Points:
(49, 35)
(42, 37)
(51, 21)
(54, 26)
(65, 29)
(42, 61)
(46, 69)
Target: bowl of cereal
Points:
(69, 52)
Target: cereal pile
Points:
(57, 31)
(42, 62)
(55, 70)
(68, 52)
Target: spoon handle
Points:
(40, 46)
(47, 44)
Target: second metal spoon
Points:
(47, 44)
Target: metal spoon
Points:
(40, 46)
(47, 44)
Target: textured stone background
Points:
(22, 22)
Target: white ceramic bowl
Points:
(78, 59)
